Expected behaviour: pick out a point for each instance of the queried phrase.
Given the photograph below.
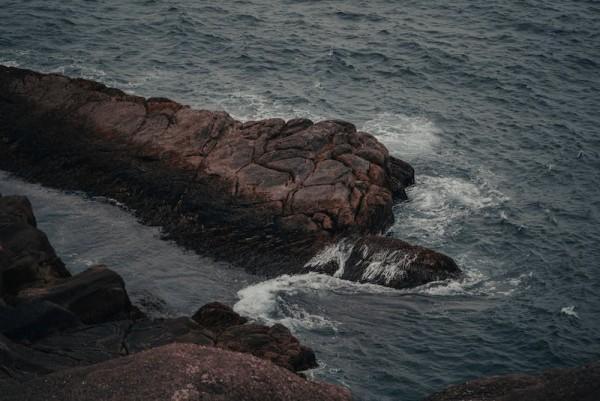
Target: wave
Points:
(246, 106)
(405, 136)
(437, 205)
(279, 300)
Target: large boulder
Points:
(176, 372)
(575, 384)
(32, 321)
(383, 260)
(275, 343)
(266, 194)
(96, 295)
(26, 256)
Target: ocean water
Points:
(496, 105)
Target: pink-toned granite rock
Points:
(263, 194)
(177, 372)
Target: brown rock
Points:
(176, 372)
(274, 343)
(95, 295)
(213, 183)
(575, 384)
(217, 317)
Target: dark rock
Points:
(275, 344)
(176, 372)
(217, 317)
(16, 209)
(252, 193)
(26, 256)
(85, 344)
(32, 321)
(575, 384)
(385, 261)
(19, 363)
(95, 295)
(146, 334)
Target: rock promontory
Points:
(267, 195)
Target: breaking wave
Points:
(406, 136)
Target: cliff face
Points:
(267, 195)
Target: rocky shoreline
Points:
(272, 196)
(55, 327)
(267, 195)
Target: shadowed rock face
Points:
(26, 256)
(576, 384)
(54, 323)
(177, 372)
(263, 194)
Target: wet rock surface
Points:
(52, 322)
(575, 384)
(274, 191)
(177, 372)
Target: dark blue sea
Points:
(496, 105)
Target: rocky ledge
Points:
(575, 384)
(267, 195)
(79, 337)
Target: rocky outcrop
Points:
(26, 257)
(274, 343)
(177, 372)
(575, 384)
(52, 323)
(385, 261)
(266, 194)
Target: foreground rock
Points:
(55, 323)
(577, 384)
(266, 194)
(177, 372)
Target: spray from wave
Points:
(405, 136)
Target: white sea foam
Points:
(406, 136)
(569, 311)
(437, 205)
(338, 252)
(247, 106)
(266, 301)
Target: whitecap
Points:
(247, 106)
(268, 301)
(405, 136)
(437, 205)
(569, 311)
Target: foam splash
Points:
(406, 136)
(438, 204)
(246, 106)
(569, 311)
(388, 266)
(269, 301)
(338, 253)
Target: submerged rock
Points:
(265, 194)
(177, 372)
(575, 384)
